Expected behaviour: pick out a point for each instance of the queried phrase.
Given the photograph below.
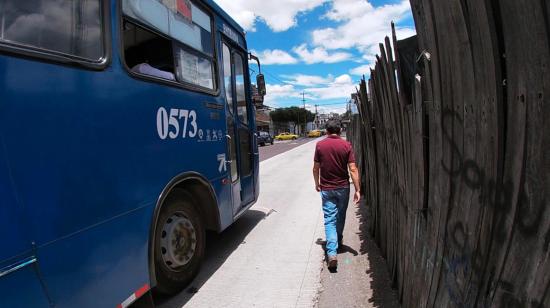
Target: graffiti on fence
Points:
(471, 155)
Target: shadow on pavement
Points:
(341, 249)
(383, 293)
(218, 248)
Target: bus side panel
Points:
(225, 205)
(22, 289)
(84, 145)
(85, 151)
(13, 238)
(99, 267)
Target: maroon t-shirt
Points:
(334, 154)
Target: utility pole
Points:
(305, 112)
(316, 117)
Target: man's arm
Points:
(316, 168)
(356, 183)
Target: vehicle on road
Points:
(286, 136)
(314, 133)
(264, 138)
(138, 136)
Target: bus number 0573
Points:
(168, 123)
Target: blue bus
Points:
(127, 129)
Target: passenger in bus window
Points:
(146, 69)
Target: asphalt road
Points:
(280, 147)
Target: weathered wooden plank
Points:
(459, 181)
(524, 279)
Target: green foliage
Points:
(292, 114)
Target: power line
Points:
(275, 77)
(331, 104)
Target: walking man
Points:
(333, 157)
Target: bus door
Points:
(239, 131)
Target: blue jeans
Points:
(335, 204)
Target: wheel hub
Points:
(178, 241)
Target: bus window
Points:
(194, 69)
(66, 27)
(232, 147)
(190, 34)
(147, 53)
(189, 25)
(242, 108)
(227, 77)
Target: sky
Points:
(317, 47)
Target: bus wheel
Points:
(179, 243)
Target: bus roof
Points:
(218, 10)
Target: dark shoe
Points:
(332, 262)
(340, 247)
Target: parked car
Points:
(286, 136)
(264, 138)
(314, 133)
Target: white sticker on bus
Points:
(177, 122)
(222, 160)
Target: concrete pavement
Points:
(273, 256)
(269, 257)
(362, 279)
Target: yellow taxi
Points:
(314, 133)
(286, 136)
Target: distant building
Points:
(321, 120)
(263, 121)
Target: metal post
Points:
(305, 113)
(316, 117)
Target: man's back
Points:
(334, 154)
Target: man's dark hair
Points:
(333, 127)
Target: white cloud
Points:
(320, 55)
(277, 91)
(308, 80)
(341, 87)
(363, 26)
(362, 70)
(278, 15)
(337, 108)
(316, 89)
(275, 56)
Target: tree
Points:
(346, 115)
(292, 114)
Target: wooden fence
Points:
(453, 142)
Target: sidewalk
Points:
(362, 279)
(272, 257)
(268, 258)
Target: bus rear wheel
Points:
(179, 243)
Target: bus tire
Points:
(179, 243)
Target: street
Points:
(273, 256)
(279, 147)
